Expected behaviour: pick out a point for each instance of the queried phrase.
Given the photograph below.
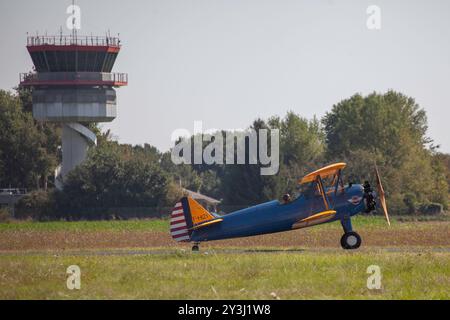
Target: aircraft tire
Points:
(351, 241)
(195, 248)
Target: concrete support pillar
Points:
(76, 140)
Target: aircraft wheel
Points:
(351, 241)
(195, 248)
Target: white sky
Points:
(227, 62)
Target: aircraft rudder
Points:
(181, 222)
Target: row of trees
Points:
(29, 150)
(389, 129)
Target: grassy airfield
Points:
(138, 260)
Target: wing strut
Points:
(323, 193)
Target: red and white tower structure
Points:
(73, 84)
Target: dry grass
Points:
(131, 235)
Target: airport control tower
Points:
(73, 85)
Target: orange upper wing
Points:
(323, 173)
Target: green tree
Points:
(184, 175)
(302, 148)
(26, 160)
(117, 176)
(390, 130)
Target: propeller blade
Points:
(381, 195)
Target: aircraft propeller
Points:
(381, 195)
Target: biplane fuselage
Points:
(275, 216)
(324, 199)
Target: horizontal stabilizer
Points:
(205, 224)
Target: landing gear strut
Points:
(350, 241)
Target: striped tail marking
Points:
(178, 225)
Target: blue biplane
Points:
(323, 198)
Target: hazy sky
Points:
(227, 62)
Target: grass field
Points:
(132, 225)
(308, 275)
(138, 260)
(162, 224)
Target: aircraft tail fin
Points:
(187, 216)
(198, 214)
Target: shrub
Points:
(5, 214)
(431, 209)
(37, 205)
(410, 202)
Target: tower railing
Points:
(73, 40)
(56, 77)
